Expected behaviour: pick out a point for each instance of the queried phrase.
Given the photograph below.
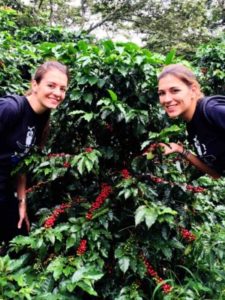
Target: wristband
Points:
(185, 153)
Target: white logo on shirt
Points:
(29, 142)
(200, 148)
(30, 139)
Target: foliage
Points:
(210, 60)
(109, 221)
(166, 32)
(156, 23)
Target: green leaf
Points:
(167, 252)
(20, 279)
(75, 95)
(139, 59)
(101, 83)
(39, 243)
(68, 270)
(122, 109)
(140, 214)
(88, 116)
(88, 164)
(167, 210)
(81, 165)
(82, 45)
(93, 274)
(150, 216)
(57, 273)
(87, 287)
(127, 193)
(51, 237)
(88, 97)
(170, 57)
(87, 273)
(77, 112)
(112, 95)
(92, 80)
(71, 241)
(44, 164)
(188, 249)
(124, 263)
(123, 70)
(119, 252)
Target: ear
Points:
(194, 89)
(34, 86)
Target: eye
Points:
(63, 89)
(175, 90)
(161, 93)
(51, 85)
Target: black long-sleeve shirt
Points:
(20, 129)
(207, 133)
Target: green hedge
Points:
(107, 221)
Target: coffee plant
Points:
(111, 217)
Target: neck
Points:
(188, 115)
(35, 104)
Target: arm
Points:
(21, 195)
(193, 159)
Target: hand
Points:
(151, 148)
(171, 148)
(23, 216)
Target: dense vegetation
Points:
(157, 24)
(109, 221)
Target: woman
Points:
(180, 95)
(23, 123)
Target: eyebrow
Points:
(171, 87)
(48, 81)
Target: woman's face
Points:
(51, 90)
(176, 97)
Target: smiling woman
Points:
(23, 123)
(177, 97)
(180, 95)
(48, 87)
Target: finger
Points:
(19, 225)
(168, 145)
(162, 144)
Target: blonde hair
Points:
(50, 65)
(44, 68)
(184, 74)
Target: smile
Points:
(55, 99)
(170, 106)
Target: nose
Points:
(165, 98)
(57, 92)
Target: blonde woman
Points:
(23, 123)
(181, 97)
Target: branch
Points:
(51, 11)
(108, 17)
(40, 4)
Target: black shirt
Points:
(20, 129)
(208, 138)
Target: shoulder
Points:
(11, 106)
(215, 101)
(11, 100)
(214, 104)
(214, 109)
